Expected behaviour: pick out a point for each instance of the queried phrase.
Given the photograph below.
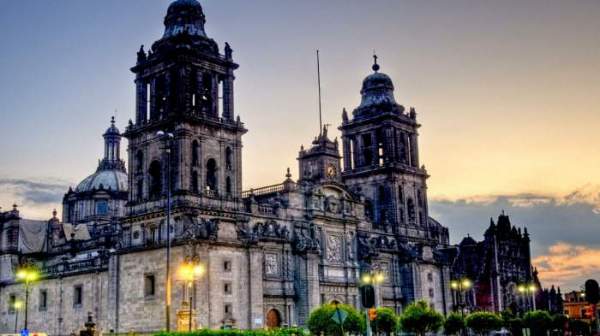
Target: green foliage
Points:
(385, 322)
(419, 318)
(538, 321)
(320, 321)
(454, 324)
(236, 332)
(580, 327)
(483, 322)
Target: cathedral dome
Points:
(185, 16)
(115, 180)
(377, 89)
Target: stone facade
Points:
(271, 254)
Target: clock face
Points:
(331, 172)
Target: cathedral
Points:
(270, 255)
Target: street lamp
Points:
(168, 137)
(17, 305)
(189, 271)
(460, 287)
(27, 275)
(371, 279)
(528, 290)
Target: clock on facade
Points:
(331, 172)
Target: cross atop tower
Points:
(375, 65)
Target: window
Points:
(12, 299)
(366, 149)
(228, 185)
(431, 293)
(149, 285)
(195, 147)
(228, 158)
(227, 266)
(101, 208)
(227, 288)
(228, 310)
(211, 175)
(195, 187)
(77, 296)
(155, 172)
(43, 299)
(139, 162)
(140, 189)
(429, 277)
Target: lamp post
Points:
(371, 279)
(27, 275)
(189, 271)
(168, 137)
(528, 291)
(16, 306)
(460, 287)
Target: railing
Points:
(264, 190)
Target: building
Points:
(497, 267)
(271, 254)
(576, 306)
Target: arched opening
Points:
(381, 206)
(228, 185)
(195, 187)
(211, 175)
(195, 150)
(155, 173)
(140, 189)
(410, 204)
(228, 158)
(369, 210)
(273, 319)
(206, 97)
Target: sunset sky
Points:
(508, 93)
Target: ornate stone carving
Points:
(199, 228)
(335, 252)
(271, 264)
(263, 231)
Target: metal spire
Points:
(319, 85)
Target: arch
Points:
(211, 174)
(273, 319)
(195, 152)
(155, 176)
(228, 158)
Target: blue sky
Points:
(507, 92)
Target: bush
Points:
(515, 326)
(559, 322)
(483, 322)
(419, 318)
(385, 322)
(538, 321)
(320, 321)
(454, 324)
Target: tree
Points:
(454, 324)
(320, 320)
(419, 318)
(483, 322)
(386, 321)
(538, 321)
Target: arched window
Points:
(195, 187)
(369, 209)
(228, 158)
(228, 185)
(140, 189)
(211, 175)
(381, 205)
(273, 319)
(139, 161)
(411, 210)
(195, 154)
(155, 175)
(206, 97)
(367, 152)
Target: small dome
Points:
(468, 241)
(377, 89)
(185, 16)
(112, 129)
(115, 180)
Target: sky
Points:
(506, 91)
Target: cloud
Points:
(573, 219)
(36, 197)
(568, 265)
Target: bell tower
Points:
(321, 162)
(381, 160)
(184, 89)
